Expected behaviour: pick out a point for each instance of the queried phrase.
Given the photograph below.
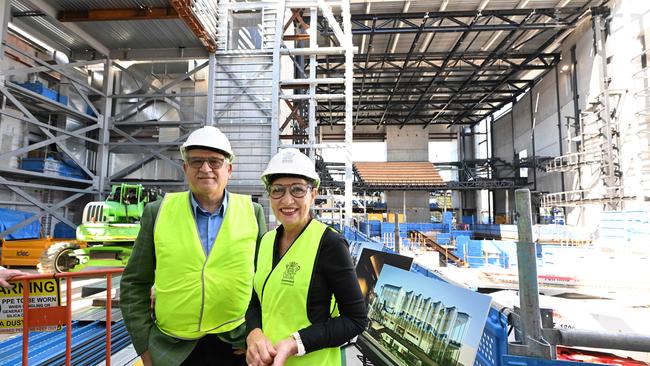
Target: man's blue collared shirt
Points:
(207, 223)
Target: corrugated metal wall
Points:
(242, 110)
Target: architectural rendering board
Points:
(357, 248)
(415, 320)
(370, 264)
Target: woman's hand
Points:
(285, 349)
(260, 350)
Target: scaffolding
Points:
(51, 128)
(297, 44)
(79, 126)
(642, 127)
(593, 139)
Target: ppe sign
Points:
(43, 293)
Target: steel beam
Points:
(369, 50)
(533, 343)
(243, 92)
(162, 89)
(147, 158)
(406, 61)
(151, 151)
(73, 28)
(502, 45)
(119, 14)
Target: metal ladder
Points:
(267, 27)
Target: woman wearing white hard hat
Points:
(302, 267)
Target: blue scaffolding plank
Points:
(48, 348)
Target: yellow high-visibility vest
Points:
(283, 291)
(195, 294)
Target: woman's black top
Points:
(333, 273)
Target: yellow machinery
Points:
(27, 252)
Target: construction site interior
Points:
(499, 147)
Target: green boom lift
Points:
(105, 237)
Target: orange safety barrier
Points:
(60, 315)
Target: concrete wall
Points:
(410, 143)
(552, 101)
(503, 148)
(417, 204)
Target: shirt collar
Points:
(196, 208)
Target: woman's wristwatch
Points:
(301, 347)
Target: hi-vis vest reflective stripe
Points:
(283, 291)
(196, 295)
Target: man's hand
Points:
(260, 349)
(286, 348)
(7, 274)
(146, 358)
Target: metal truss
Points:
(463, 21)
(459, 86)
(132, 129)
(576, 198)
(479, 174)
(447, 186)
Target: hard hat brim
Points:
(228, 156)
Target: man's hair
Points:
(225, 154)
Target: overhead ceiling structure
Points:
(418, 62)
(120, 29)
(447, 62)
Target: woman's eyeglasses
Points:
(213, 163)
(297, 190)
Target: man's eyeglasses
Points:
(298, 190)
(213, 163)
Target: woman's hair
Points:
(273, 177)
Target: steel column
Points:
(533, 342)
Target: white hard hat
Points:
(211, 138)
(291, 162)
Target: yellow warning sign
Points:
(43, 293)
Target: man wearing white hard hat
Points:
(197, 249)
